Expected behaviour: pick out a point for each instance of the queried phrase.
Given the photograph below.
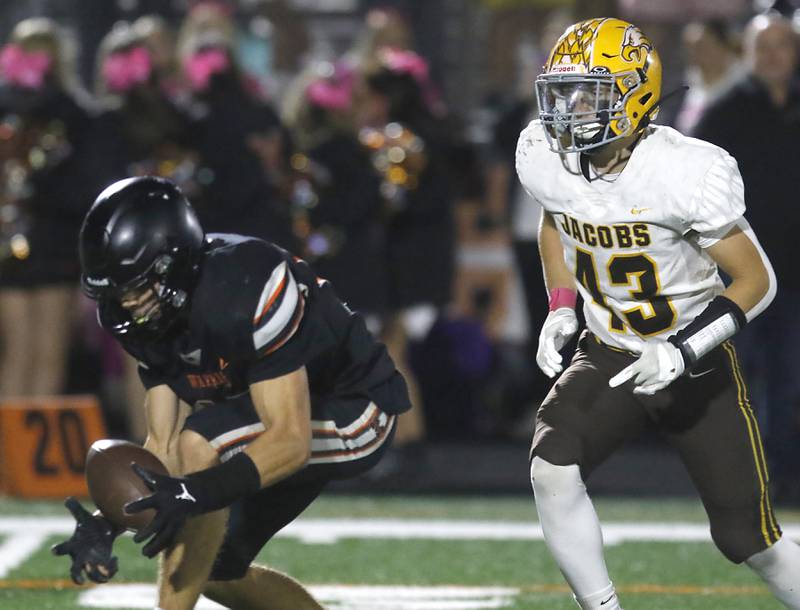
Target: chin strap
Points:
(584, 160)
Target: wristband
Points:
(562, 297)
(718, 322)
(220, 486)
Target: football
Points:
(112, 483)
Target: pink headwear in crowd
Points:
(224, 7)
(334, 92)
(124, 70)
(24, 68)
(201, 66)
(403, 61)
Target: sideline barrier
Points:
(43, 444)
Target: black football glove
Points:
(176, 499)
(173, 501)
(90, 545)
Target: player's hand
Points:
(558, 328)
(90, 546)
(173, 501)
(660, 364)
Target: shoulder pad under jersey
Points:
(248, 299)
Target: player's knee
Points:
(728, 544)
(195, 452)
(551, 479)
(736, 536)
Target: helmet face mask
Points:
(577, 111)
(143, 303)
(140, 246)
(148, 299)
(149, 303)
(601, 83)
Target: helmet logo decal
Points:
(132, 260)
(635, 45)
(576, 47)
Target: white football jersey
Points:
(636, 240)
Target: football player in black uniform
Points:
(262, 387)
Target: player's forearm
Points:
(751, 289)
(741, 257)
(725, 315)
(750, 292)
(754, 290)
(284, 406)
(551, 251)
(164, 420)
(278, 454)
(167, 453)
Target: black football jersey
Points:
(258, 313)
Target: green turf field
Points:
(418, 554)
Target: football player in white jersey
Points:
(638, 220)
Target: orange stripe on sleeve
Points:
(271, 300)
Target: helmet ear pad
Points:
(141, 231)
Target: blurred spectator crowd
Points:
(355, 161)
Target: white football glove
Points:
(557, 329)
(660, 364)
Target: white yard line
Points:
(17, 547)
(317, 531)
(45, 525)
(322, 531)
(27, 534)
(335, 597)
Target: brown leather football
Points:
(112, 483)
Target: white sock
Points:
(602, 600)
(572, 533)
(779, 567)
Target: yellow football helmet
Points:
(602, 82)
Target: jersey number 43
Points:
(641, 273)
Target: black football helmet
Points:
(141, 236)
